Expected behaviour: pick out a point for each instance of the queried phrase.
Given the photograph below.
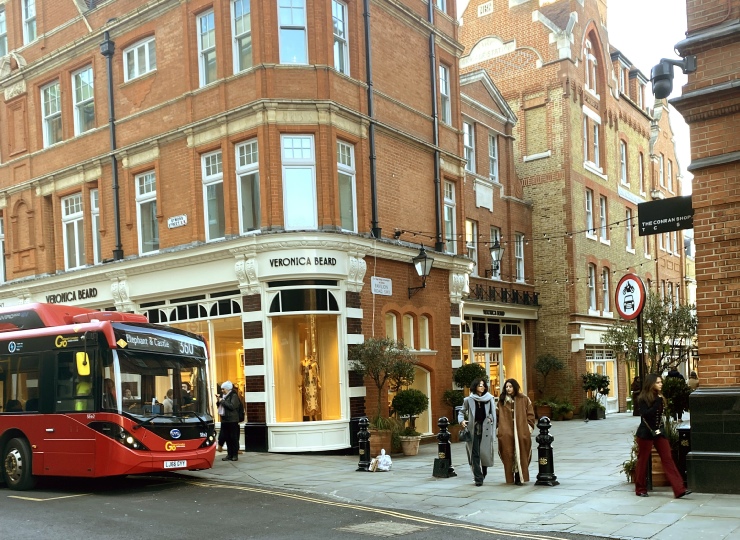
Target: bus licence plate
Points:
(175, 464)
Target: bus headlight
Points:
(116, 432)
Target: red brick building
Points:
(588, 150)
(709, 103)
(264, 168)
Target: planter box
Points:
(380, 439)
(597, 414)
(410, 445)
(543, 410)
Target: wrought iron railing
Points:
(504, 295)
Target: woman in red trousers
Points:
(652, 433)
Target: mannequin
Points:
(310, 387)
(310, 379)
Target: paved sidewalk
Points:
(593, 496)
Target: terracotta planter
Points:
(380, 439)
(568, 415)
(410, 445)
(454, 430)
(543, 410)
(659, 476)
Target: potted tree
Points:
(545, 365)
(409, 404)
(467, 373)
(382, 360)
(595, 385)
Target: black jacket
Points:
(651, 416)
(231, 405)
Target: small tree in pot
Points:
(467, 373)
(545, 365)
(382, 360)
(595, 385)
(410, 403)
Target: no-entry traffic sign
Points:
(630, 296)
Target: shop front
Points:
(495, 339)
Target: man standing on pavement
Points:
(228, 407)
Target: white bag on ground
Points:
(384, 461)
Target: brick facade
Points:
(710, 105)
(560, 75)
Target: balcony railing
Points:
(504, 295)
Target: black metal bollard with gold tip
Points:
(443, 462)
(546, 476)
(363, 441)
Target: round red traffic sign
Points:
(630, 296)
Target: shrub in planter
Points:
(545, 365)
(467, 373)
(453, 398)
(676, 392)
(410, 403)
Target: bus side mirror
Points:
(83, 364)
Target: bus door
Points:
(69, 445)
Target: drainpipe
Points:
(438, 244)
(376, 231)
(107, 48)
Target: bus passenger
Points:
(167, 403)
(13, 405)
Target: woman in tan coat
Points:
(515, 426)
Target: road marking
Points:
(34, 499)
(385, 512)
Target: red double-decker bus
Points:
(99, 393)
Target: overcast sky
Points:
(646, 31)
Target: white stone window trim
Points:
(535, 157)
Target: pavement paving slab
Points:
(592, 498)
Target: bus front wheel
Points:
(17, 465)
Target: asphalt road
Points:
(179, 508)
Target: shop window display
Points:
(306, 368)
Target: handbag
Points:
(465, 435)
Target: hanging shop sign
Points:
(665, 215)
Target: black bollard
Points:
(443, 462)
(546, 476)
(363, 438)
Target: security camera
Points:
(662, 74)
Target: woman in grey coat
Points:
(479, 408)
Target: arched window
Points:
(424, 343)
(390, 326)
(408, 331)
(590, 63)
